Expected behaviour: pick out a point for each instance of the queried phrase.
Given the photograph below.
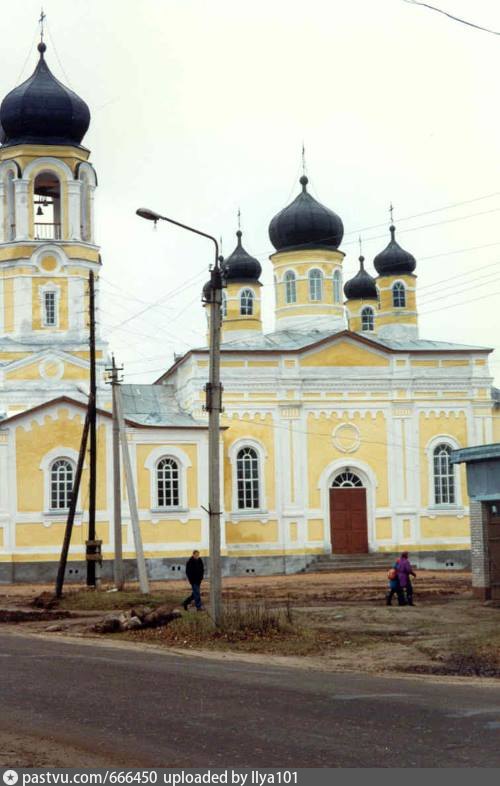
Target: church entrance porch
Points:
(348, 515)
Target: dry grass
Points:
(90, 600)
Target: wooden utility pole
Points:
(132, 501)
(117, 492)
(214, 406)
(92, 545)
(72, 508)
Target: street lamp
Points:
(213, 390)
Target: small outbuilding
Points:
(483, 486)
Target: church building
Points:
(337, 427)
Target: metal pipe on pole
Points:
(118, 574)
(91, 544)
(214, 407)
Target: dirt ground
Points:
(339, 621)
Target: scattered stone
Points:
(160, 616)
(56, 627)
(134, 623)
(140, 617)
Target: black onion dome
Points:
(306, 223)
(240, 266)
(362, 286)
(394, 260)
(43, 111)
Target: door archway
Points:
(348, 514)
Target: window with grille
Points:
(315, 285)
(247, 476)
(61, 484)
(398, 295)
(290, 287)
(167, 483)
(444, 477)
(367, 319)
(246, 302)
(347, 479)
(337, 287)
(49, 309)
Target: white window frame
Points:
(451, 442)
(67, 494)
(315, 281)
(52, 289)
(337, 286)
(183, 464)
(173, 481)
(367, 310)
(290, 284)
(240, 513)
(61, 452)
(398, 287)
(248, 295)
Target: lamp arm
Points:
(196, 232)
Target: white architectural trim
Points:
(233, 450)
(183, 462)
(370, 483)
(433, 506)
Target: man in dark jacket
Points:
(194, 573)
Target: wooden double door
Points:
(348, 520)
(493, 509)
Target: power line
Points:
(451, 16)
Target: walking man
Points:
(194, 572)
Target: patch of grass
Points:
(479, 657)
(92, 600)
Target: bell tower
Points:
(47, 242)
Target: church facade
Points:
(337, 427)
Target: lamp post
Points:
(213, 390)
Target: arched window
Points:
(337, 287)
(11, 208)
(346, 479)
(223, 307)
(47, 206)
(61, 484)
(398, 295)
(315, 285)
(167, 483)
(367, 319)
(444, 477)
(246, 302)
(247, 477)
(290, 286)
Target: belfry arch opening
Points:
(47, 206)
(348, 513)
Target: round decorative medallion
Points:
(51, 369)
(346, 438)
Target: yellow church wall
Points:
(72, 251)
(263, 432)
(171, 531)
(251, 532)
(343, 354)
(33, 444)
(444, 527)
(62, 284)
(144, 483)
(429, 428)
(496, 425)
(383, 529)
(8, 299)
(315, 529)
(322, 451)
(404, 316)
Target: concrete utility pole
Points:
(117, 491)
(132, 501)
(213, 406)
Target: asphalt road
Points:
(153, 709)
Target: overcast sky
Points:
(199, 108)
